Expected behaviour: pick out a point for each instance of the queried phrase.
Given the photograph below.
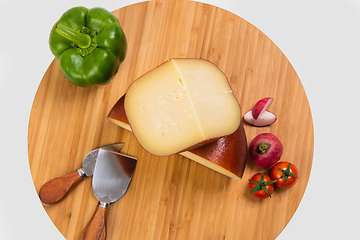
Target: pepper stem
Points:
(263, 147)
(82, 40)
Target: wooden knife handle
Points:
(55, 189)
(96, 228)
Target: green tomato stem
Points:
(82, 40)
(286, 173)
(261, 185)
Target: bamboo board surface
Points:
(173, 197)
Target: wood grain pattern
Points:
(173, 197)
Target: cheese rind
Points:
(180, 104)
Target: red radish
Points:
(266, 118)
(261, 106)
(265, 150)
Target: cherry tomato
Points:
(285, 173)
(261, 185)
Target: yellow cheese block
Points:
(180, 104)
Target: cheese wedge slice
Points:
(227, 155)
(181, 104)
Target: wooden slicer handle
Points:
(55, 189)
(96, 228)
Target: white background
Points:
(321, 38)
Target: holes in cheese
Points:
(180, 104)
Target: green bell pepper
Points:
(89, 45)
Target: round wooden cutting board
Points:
(174, 197)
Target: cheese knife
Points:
(54, 190)
(112, 175)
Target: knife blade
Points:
(57, 188)
(112, 176)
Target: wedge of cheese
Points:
(227, 155)
(181, 104)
